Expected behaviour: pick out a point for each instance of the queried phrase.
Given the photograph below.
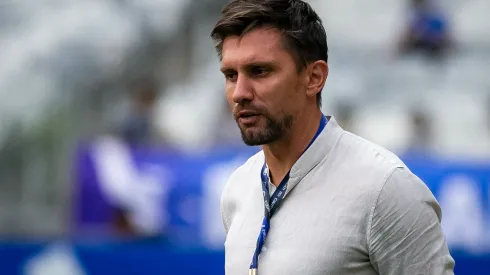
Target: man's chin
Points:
(254, 137)
(252, 142)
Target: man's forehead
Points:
(256, 46)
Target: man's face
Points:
(263, 85)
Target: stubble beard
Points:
(274, 130)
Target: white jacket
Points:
(351, 207)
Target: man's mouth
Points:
(247, 117)
(246, 113)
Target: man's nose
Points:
(243, 90)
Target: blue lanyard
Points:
(271, 204)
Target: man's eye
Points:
(231, 76)
(259, 71)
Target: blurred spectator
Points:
(427, 30)
(137, 125)
(133, 196)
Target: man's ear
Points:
(317, 76)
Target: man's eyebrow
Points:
(225, 69)
(261, 64)
(249, 65)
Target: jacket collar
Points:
(317, 152)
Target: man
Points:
(316, 199)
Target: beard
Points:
(264, 133)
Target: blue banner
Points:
(179, 193)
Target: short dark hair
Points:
(301, 27)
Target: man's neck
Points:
(281, 155)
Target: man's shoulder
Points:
(365, 152)
(378, 171)
(369, 165)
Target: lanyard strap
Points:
(271, 204)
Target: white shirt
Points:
(351, 207)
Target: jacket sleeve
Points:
(405, 235)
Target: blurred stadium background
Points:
(115, 137)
